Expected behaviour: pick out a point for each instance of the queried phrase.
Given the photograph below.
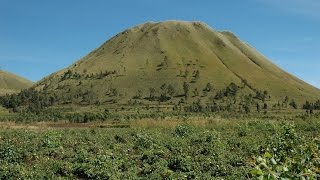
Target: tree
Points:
(197, 75)
(258, 107)
(164, 89)
(265, 106)
(67, 75)
(285, 102)
(286, 99)
(171, 90)
(195, 107)
(231, 90)
(317, 105)
(307, 105)
(262, 95)
(293, 104)
(139, 94)
(114, 92)
(186, 89)
(152, 93)
(265, 94)
(196, 92)
(166, 61)
(246, 109)
(219, 95)
(205, 93)
(186, 74)
(208, 87)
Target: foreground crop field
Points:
(162, 149)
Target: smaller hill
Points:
(11, 83)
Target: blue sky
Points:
(39, 37)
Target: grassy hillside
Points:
(173, 52)
(11, 83)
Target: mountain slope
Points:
(11, 83)
(171, 52)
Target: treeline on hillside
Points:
(28, 100)
(228, 99)
(75, 75)
(309, 106)
(208, 99)
(205, 99)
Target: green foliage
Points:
(208, 88)
(196, 75)
(171, 90)
(293, 104)
(180, 163)
(143, 141)
(289, 157)
(167, 92)
(9, 153)
(182, 131)
(312, 106)
(230, 91)
(217, 150)
(196, 107)
(152, 93)
(28, 100)
(263, 96)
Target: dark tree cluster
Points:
(166, 93)
(231, 90)
(208, 88)
(75, 75)
(30, 99)
(293, 104)
(262, 95)
(312, 106)
(195, 107)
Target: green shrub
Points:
(182, 131)
(289, 156)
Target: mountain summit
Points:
(140, 61)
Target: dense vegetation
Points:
(233, 97)
(185, 108)
(192, 149)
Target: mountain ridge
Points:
(170, 52)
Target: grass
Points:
(137, 53)
(147, 139)
(213, 148)
(11, 83)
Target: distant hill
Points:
(134, 64)
(11, 83)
